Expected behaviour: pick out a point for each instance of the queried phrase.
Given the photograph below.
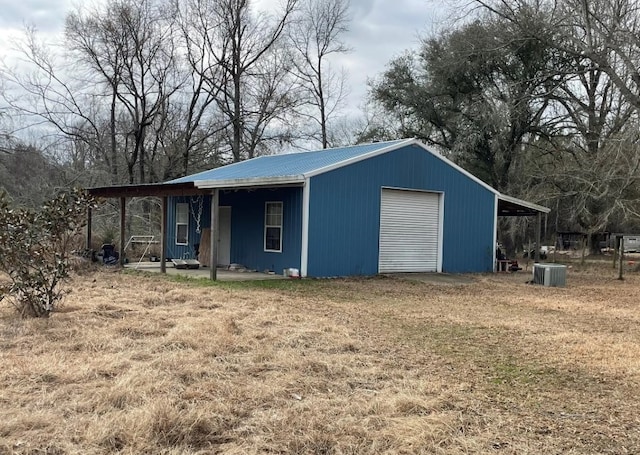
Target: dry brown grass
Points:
(136, 364)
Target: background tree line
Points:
(144, 91)
(538, 98)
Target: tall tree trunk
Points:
(112, 134)
(141, 155)
(237, 121)
(323, 114)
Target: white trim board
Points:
(304, 250)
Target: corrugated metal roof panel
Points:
(287, 165)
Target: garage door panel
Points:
(409, 231)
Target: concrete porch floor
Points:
(203, 272)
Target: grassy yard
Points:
(140, 364)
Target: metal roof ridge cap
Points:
(393, 145)
(349, 146)
(262, 181)
(531, 205)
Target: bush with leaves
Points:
(35, 247)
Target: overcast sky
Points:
(380, 30)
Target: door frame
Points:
(226, 208)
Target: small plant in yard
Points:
(35, 247)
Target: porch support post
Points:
(89, 213)
(215, 226)
(496, 201)
(536, 254)
(123, 208)
(163, 235)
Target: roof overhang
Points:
(192, 188)
(260, 182)
(151, 189)
(511, 206)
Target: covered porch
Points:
(163, 191)
(211, 240)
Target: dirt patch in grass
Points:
(142, 364)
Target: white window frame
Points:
(179, 222)
(267, 226)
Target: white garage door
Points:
(409, 224)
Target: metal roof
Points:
(290, 167)
(294, 169)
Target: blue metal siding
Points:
(186, 251)
(247, 227)
(345, 213)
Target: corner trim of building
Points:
(304, 251)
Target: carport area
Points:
(507, 206)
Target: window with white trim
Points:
(182, 223)
(273, 226)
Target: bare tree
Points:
(317, 35)
(121, 87)
(130, 46)
(46, 94)
(607, 33)
(202, 122)
(592, 161)
(236, 50)
(602, 33)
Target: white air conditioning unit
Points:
(550, 274)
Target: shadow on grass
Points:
(287, 285)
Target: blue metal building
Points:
(373, 208)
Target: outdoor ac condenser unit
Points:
(550, 274)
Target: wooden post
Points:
(89, 229)
(163, 235)
(123, 208)
(621, 258)
(616, 246)
(215, 225)
(536, 254)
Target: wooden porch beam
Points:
(163, 235)
(123, 208)
(536, 254)
(89, 214)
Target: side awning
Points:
(511, 206)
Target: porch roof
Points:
(511, 206)
(149, 189)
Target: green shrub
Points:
(35, 247)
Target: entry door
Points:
(224, 236)
(409, 231)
